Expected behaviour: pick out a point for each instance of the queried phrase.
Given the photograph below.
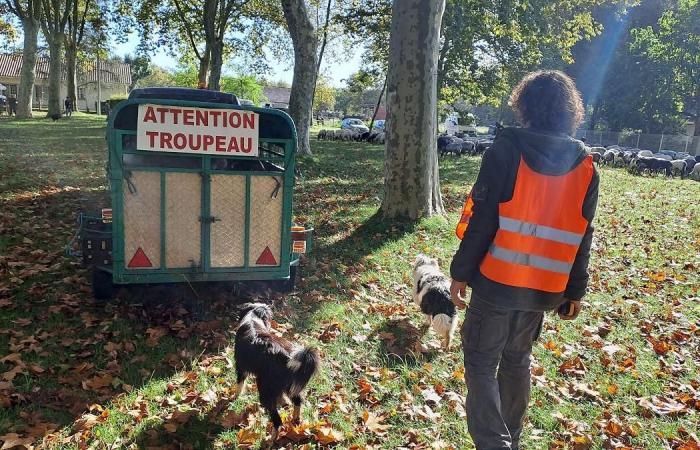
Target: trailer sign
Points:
(182, 129)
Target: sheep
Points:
(608, 156)
(454, 147)
(600, 150)
(662, 156)
(618, 160)
(695, 173)
(468, 147)
(482, 146)
(646, 153)
(442, 142)
(596, 157)
(670, 153)
(678, 166)
(689, 164)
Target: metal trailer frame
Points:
(118, 134)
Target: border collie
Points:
(432, 295)
(281, 368)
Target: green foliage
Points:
(244, 86)
(158, 77)
(8, 32)
(140, 67)
(675, 45)
(486, 46)
(324, 97)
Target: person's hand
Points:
(458, 290)
(574, 309)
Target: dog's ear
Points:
(434, 262)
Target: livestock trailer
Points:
(201, 190)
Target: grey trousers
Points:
(497, 344)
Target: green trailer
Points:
(201, 190)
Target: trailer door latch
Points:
(209, 219)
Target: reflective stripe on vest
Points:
(539, 230)
(527, 259)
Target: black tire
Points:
(102, 286)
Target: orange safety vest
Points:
(467, 212)
(540, 229)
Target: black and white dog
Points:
(281, 368)
(432, 295)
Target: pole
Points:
(661, 142)
(639, 134)
(687, 142)
(99, 87)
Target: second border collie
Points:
(432, 295)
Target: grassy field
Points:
(153, 369)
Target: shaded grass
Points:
(644, 268)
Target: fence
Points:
(653, 142)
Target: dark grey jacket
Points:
(546, 153)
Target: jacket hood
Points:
(546, 152)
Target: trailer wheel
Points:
(102, 286)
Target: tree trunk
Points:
(594, 115)
(301, 30)
(55, 42)
(71, 76)
(217, 61)
(324, 41)
(379, 102)
(697, 111)
(412, 182)
(30, 28)
(203, 68)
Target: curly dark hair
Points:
(548, 100)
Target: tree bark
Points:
(25, 92)
(217, 61)
(71, 75)
(322, 50)
(55, 42)
(302, 32)
(697, 110)
(412, 183)
(203, 68)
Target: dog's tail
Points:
(304, 364)
(442, 323)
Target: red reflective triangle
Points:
(266, 258)
(139, 260)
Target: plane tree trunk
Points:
(412, 183)
(30, 28)
(54, 22)
(302, 32)
(55, 42)
(29, 14)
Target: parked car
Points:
(354, 125)
(378, 124)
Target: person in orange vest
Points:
(526, 231)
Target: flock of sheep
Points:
(638, 161)
(373, 137)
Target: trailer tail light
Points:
(299, 236)
(106, 215)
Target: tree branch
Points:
(188, 31)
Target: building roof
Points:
(110, 71)
(277, 94)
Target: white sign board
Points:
(183, 129)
